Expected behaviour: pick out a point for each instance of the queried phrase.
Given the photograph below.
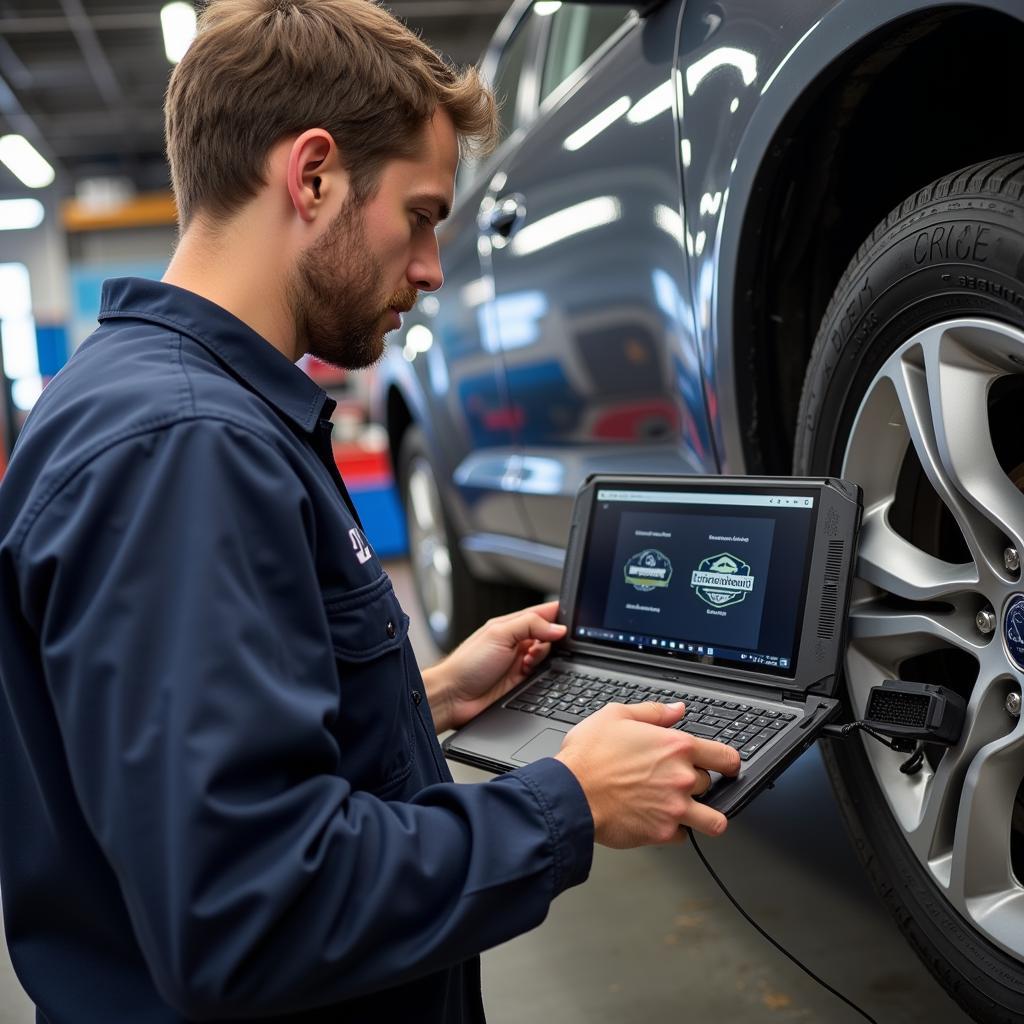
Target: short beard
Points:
(334, 295)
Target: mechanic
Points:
(222, 795)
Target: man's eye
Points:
(422, 220)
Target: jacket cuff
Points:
(567, 813)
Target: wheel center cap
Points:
(1013, 630)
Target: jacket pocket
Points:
(369, 634)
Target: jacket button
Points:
(416, 697)
(390, 630)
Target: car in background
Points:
(734, 237)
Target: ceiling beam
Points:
(99, 67)
(133, 20)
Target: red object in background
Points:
(324, 374)
(362, 467)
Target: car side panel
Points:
(591, 293)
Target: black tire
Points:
(955, 249)
(473, 601)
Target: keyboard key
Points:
(771, 714)
(748, 717)
(777, 725)
(727, 734)
(724, 712)
(562, 716)
(697, 729)
(745, 737)
(516, 705)
(732, 705)
(750, 749)
(786, 717)
(761, 722)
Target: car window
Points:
(577, 31)
(509, 71)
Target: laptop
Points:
(727, 593)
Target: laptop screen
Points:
(711, 575)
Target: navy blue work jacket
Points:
(221, 795)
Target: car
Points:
(784, 237)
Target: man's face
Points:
(373, 259)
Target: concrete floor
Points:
(651, 938)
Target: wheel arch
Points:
(893, 110)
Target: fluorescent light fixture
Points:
(744, 62)
(18, 214)
(655, 102)
(178, 20)
(596, 125)
(543, 8)
(24, 161)
(573, 220)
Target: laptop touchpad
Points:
(544, 744)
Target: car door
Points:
(586, 247)
(449, 341)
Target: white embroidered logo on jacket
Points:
(360, 546)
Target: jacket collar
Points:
(248, 355)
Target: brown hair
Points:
(261, 70)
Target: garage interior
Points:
(649, 937)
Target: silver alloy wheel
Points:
(958, 813)
(428, 546)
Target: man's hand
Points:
(496, 658)
(640, 777)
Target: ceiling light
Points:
(178, 21)
(24, 161)
(18, 214)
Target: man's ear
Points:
(315, 173)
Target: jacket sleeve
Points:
(172, 583)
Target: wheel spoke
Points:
(982, 884)
(904, 633)
(958, 385)
(888, 561)
(918, 377)
(986, 722)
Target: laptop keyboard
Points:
(571, 696)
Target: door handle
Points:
(505, 215)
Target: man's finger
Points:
(716, 756)
(529, 625)
(704, 819)
(547, 610)
(652, 712)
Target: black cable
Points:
(729, 896)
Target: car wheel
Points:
(454, 601)
(915, 390)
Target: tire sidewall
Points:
(933, 260)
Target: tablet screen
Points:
(706, 574)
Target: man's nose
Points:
(425, 271)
